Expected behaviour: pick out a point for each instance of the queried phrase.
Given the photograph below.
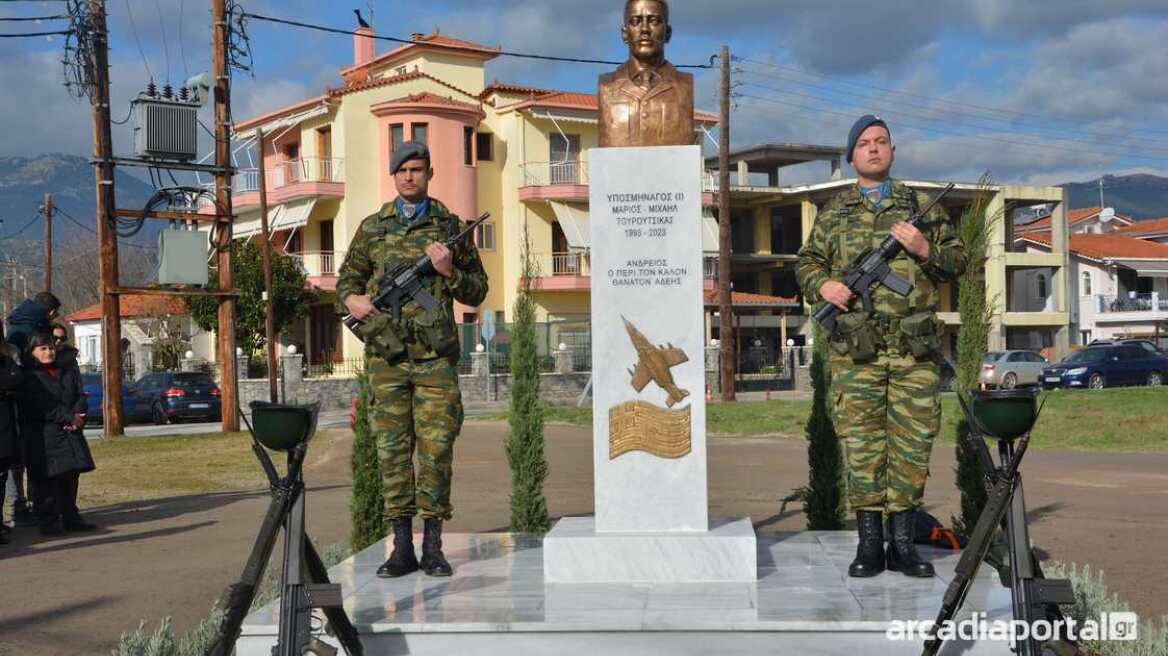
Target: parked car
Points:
(1010, 369)
(1096, 367)
(169, 397)
(1146, 344)
(94, 395)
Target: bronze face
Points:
(646, 30)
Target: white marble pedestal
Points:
(574, 552)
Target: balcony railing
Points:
(1131, 303)
(320, 263)
(542, 174)
(710, 268)
(307, 169)
(560, 264)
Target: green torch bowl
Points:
(1005, 414)
(281, 427)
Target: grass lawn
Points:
(1120, 419)
(135, 468)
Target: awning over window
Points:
(575, 224)
(286, 216)
(1147, 268)
(709, 232)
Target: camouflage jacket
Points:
(383, 241)
(849, 224)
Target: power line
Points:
(26, 227)
(28, 34)
(134, 29)
(165, 43)
(820, 111)
(502, 53)
(1090, 143)
(15, 19)
(81, 225)
(861, 85)
(181, 50)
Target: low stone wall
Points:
(559, 388)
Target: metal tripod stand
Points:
(1033, 597)
(304, 581)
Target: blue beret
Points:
(407, 151)
(866, 121)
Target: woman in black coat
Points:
(52, 414)
(10, 378)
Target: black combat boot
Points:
(433, 562)
(902, 551)
(402, 561)
(870, 552)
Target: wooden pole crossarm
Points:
(167, 291)
(167, 216)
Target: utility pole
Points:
(48, 214)
(725, 307)
(111, 315)
(266, 246)
(229, 380)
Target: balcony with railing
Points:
(563, 272)
(1130, 307)
(290, 180)
(555, 181)
(320, 267)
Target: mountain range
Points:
(1139, 196)
(25, 180)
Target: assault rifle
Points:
(403, 283)
(871, 267)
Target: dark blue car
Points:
(168, 397)
(91, 387)
(1096, 367)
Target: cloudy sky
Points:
(1041, 91)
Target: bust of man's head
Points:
(646, 30)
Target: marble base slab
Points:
(574, 552)
(497, 602)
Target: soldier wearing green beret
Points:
(412, 361)
(884, 365)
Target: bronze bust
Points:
(647, 101)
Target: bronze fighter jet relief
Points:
(654, 363)
(640, 425)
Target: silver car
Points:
(1010, 369)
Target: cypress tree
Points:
(972, 343)
(367, 504)
(823, 498)
(525, 443)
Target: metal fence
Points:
(576, 337)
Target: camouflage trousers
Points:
(887, 412)
(416, 406)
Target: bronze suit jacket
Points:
(662, 115)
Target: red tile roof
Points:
(743, 299)
(134, 307)
(504, 87)
(1074, 217)
(438, 39)
(1145, 227)
(1104, 247)
(394, 79)
(427, 97)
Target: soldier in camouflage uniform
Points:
(884, 365)
(412, 362)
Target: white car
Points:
(1010, 369)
